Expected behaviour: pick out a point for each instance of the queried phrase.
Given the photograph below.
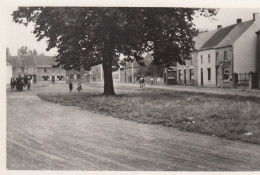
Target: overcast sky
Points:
(18, 35)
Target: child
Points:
(79, 87)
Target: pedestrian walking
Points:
(70, 86)
(79, 87)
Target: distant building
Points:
(78, 76)
(9, 73)
(127, 73)
(46, 71)
(38, 68)
(170, 75)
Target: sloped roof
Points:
(202, 38)
(14, 61)
(236, 32)
(42, 60)
(228, 35)
(27, 61)
(217, 37)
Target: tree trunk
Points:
(108, 78)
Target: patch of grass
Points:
(229, 116)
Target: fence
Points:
(247, 80)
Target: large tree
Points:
(86, 37)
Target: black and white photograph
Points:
(144, 87)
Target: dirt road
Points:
(47, 136)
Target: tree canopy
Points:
(87, 36)
(23, 50)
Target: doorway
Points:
(53, 79)
(201, 73)
(185, 76)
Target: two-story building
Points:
(37, 68)
(230, 50)
(46, 71)
(187, 74)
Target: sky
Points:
(18, 35)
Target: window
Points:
(209, 58)
(72, 76)
(225, 73)
(180, 74)
(45, 78)
(44, 70)
(209, 74)
(60, 77)
(225, 56)
(78, 76)
(191, 74)
(217, 59)
(201, 59)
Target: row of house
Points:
(40, 68)
(222, 56)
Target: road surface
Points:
(47, 136)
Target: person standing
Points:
(70, 86)
(29, 84)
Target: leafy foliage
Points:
(25, 51)
(86, 37)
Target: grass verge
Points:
(229, 116)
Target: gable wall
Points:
(245, 50)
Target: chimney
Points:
(258, 52)
(239, 20)
(219, 26)
(255, 15)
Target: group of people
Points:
(19, 83)
(142, 81)
(79, 88)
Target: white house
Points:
(232, 49)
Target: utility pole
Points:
(125, 72)
(101, 72)
(133, 78)
(119, 75)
